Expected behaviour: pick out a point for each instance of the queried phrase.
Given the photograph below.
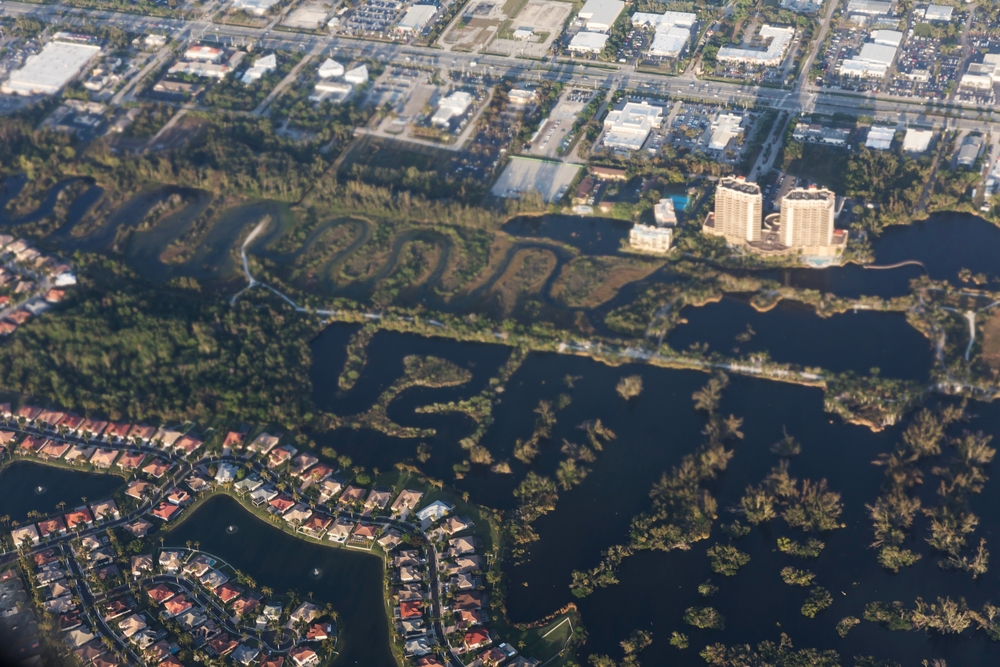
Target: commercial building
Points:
(917, 141)
(452, 106)
(334, 91)
(969, 152)
(984, 75)
(416, 17)
(588, 42)
(51, 69)
(663, 212)
(208, 54)
(260, 67)
(815, 132)
(869, 7)
(880, 137)
(778, 39)
(650, 238)
(672, 30)
(256, 7)
(600, 15)
(739, 206)
(724, 128)
(330, 69)
(807, 217)
(521, 96)
(629, 127)
(875, 57)
(357, 76)
(938, 13)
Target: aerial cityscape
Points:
(521, 333)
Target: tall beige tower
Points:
(807, 217)
(738, 210)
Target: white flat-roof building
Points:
(523, 33)
(452, 106)
(51, 69)
(663, 212)
(260, 67)
(256, 7)
(600, 15)
(983, 75)
(771, 56)
(629, 127)
(335, 91)
(869, 7)
(880, 137)
(330, 69)
(891, 38)
(875, 57)
(725, 127)
(672, 31)
(938, 13)
(588, 42)
(649, 238)
(917, 141)
(416, 17)
(358, 75)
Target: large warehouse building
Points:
(600, 15)
(50, 70)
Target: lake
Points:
(349, 580)
(26, 486)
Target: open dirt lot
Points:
(523, 175)
(546, 18)
(310, 16)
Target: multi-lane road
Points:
(802, 98)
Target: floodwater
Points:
(26, 486)
(349, 580)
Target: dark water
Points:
(593, 236)
(792, 332)
(349, 580)
(20, 480)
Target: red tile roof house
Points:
(223, 644)
(117, 431)
(72, 422)
(171, 661)
(187, 445)
(176, 606)
(281, 504)
(179, 497)
(142, 433)
(233, 440)
(80, 517)
(273, 661)
(19, 316)
(227, 592)
(137, 489)
(130, 460)
(493, 657)
(318, 632)
(411, 609)
(156, 468)
(53, 450)
(165, 511)
(159, 593)
(316, 525)
(7, 328)
(280, 455)
(365, 532)
(303, 657)
(32, 444)
(51, 418)
(245, 605)
(116, 609)
(51, 527)
(476, 638)
(29, 412)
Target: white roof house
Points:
(663, 212)
(588, 42)
(48, 71)
(938, 13)
(600, 15)
(917, 141)
(330, 69)
(416, 17)
(629, 127)
(880, 137)
(452, 106)
(357, 75)
(780, 38)
(435, 511)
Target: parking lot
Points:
(553, 132)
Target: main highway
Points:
(803, 98)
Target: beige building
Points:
(739, 208)
(807, 217)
